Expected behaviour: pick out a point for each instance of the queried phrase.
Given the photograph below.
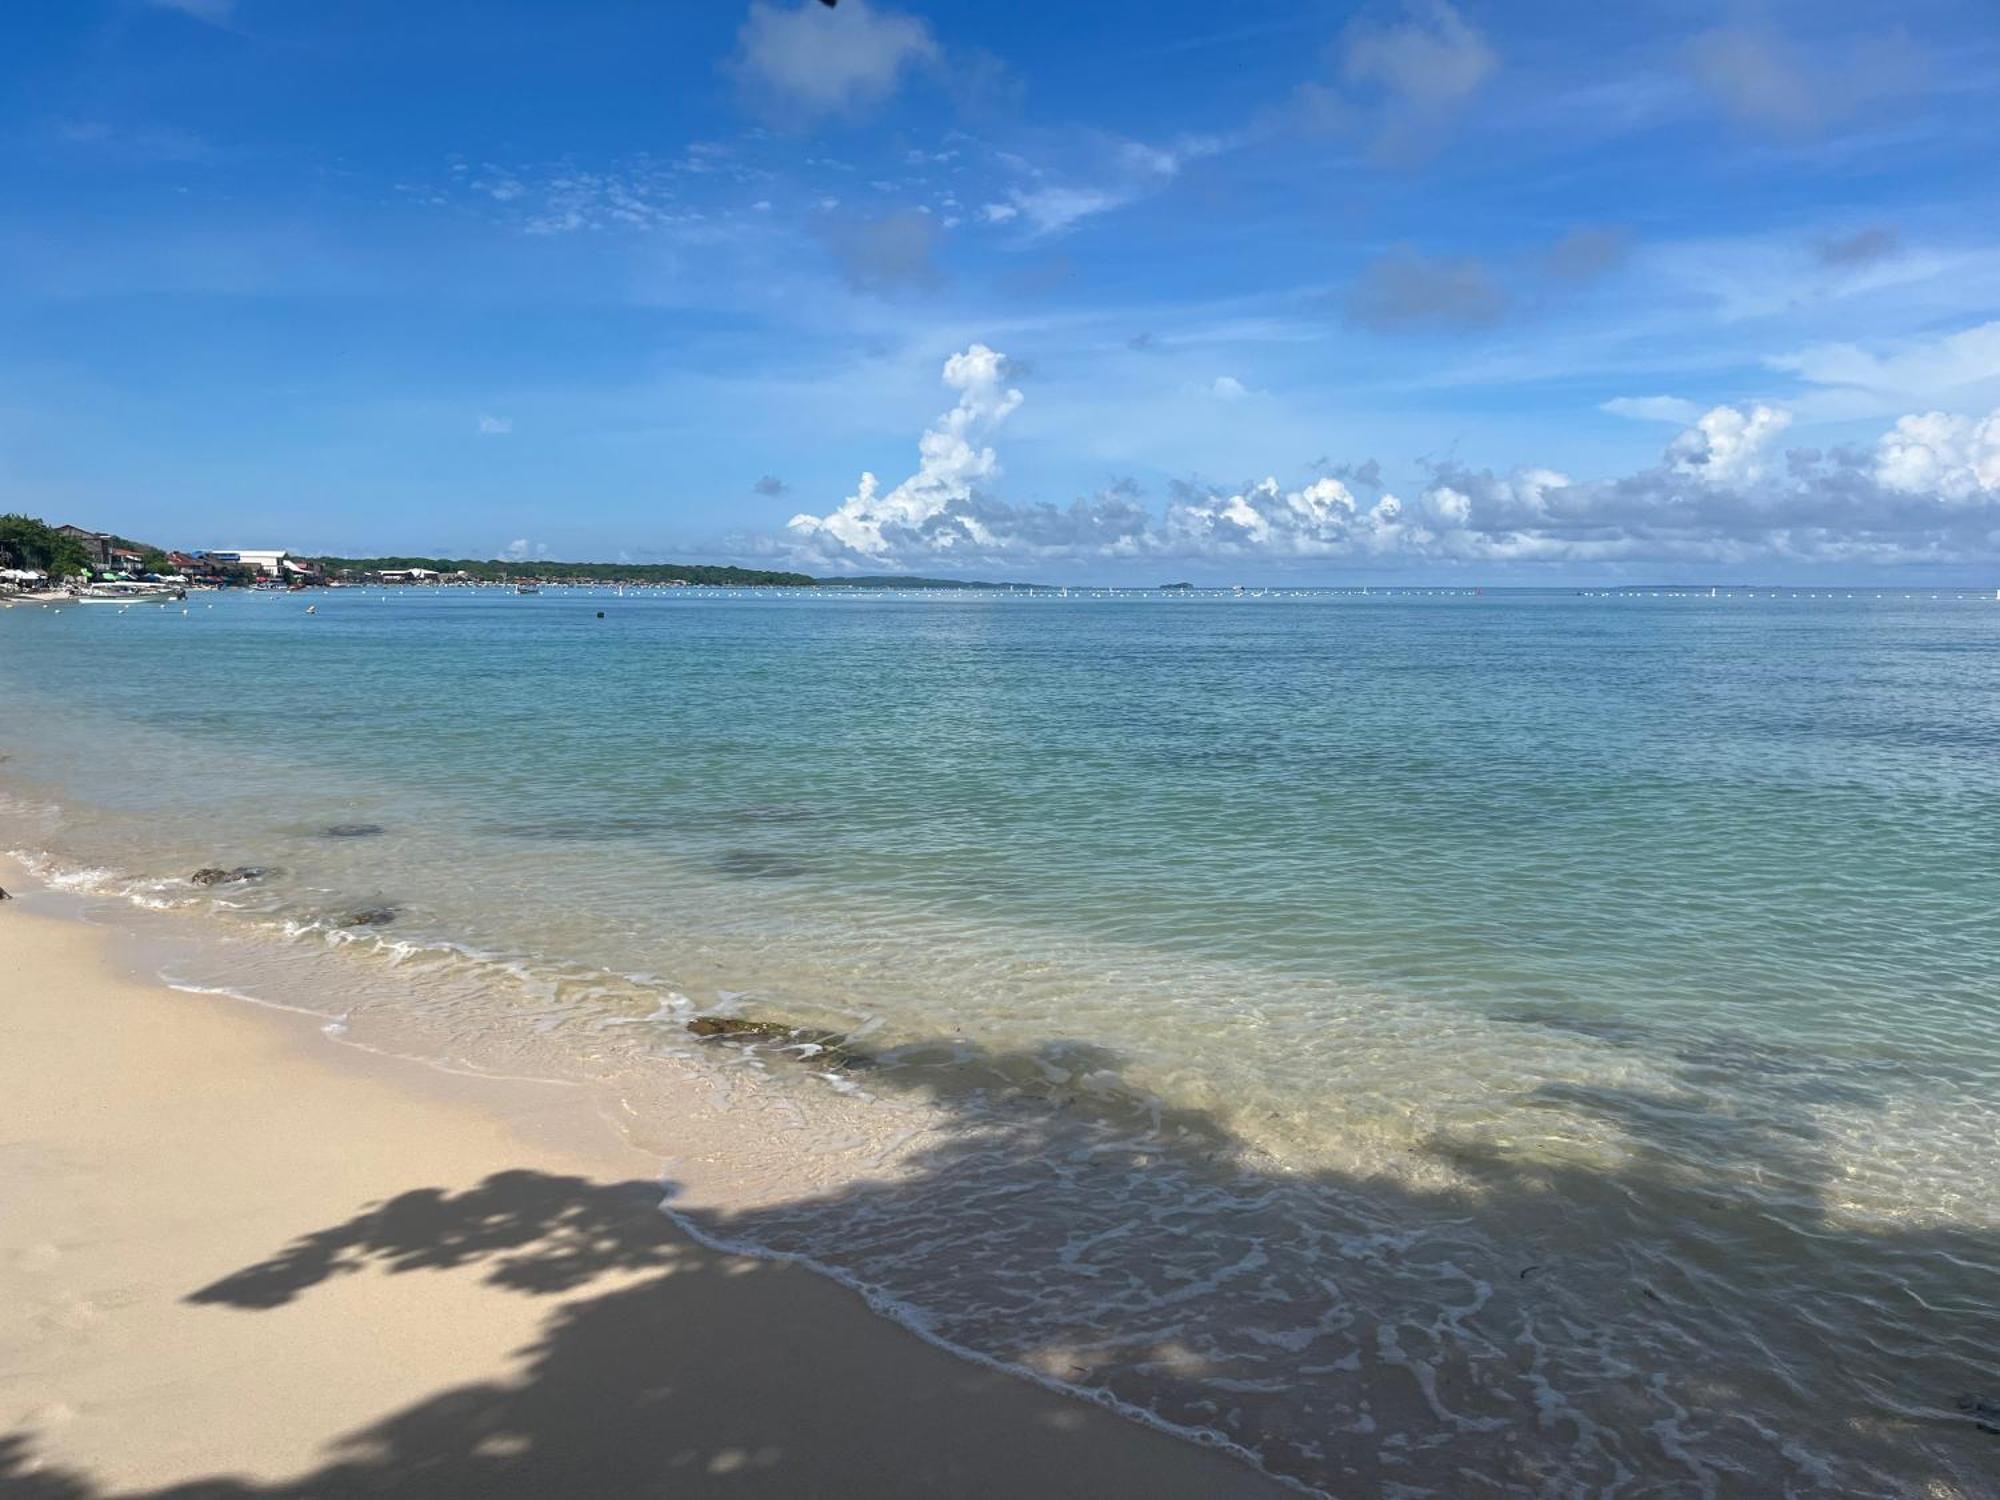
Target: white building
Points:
(264, 559)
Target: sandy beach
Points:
(238, 1258)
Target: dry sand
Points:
(238, 1258)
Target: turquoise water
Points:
(1543, 1037)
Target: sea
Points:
(1428, 1042)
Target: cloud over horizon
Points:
(1721, 493)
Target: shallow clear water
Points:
(1439, 1043)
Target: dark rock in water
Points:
(353, 830)
(4, 896)
(370, 916)
(828, 1047)
(1985, 1413)
(215, 876)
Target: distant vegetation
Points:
(494, 570)
(28, 543)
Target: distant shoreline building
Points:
(269, 560)
(97, 545)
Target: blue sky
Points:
(1308, 291)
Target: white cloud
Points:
(1726, 444)
(521, 550)
(1954, 458)
(1674, 409)
(803, 63)
(491, 426)
(1120, 172)
(1051, 210)
(1229, 388)
(932, 509)
(1719, 495)
(1911, 372)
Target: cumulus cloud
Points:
(1408, 81)
(1956, 459)
(1727, 446)
(1720, 494)
(936, 507)
(1406, 290)
(1228, 388)
(522, 550)
(802, 63)
(492, 426)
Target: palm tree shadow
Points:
(1545, 1325)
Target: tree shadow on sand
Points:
(1513, 1325)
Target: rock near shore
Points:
(828, 1047)
(215, 875)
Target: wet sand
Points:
(239, 1258)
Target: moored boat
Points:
(118, 591)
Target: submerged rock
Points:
(370, 916)
(213, 875)
(1985, 1414)
(352, 830)
(829, 1047)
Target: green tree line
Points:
(28, 543)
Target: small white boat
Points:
(118, 592)
(527, 588)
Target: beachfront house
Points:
(97, 545)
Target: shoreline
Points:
(236, 1255)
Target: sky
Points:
(1529, 292)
